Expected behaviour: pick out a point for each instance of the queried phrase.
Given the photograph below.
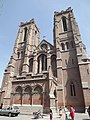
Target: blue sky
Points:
(12, 12)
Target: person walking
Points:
(51, 114)
(88, 110)
(66, 113)
(60, 112)
(1, 106)
(72, 112)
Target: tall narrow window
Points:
(54, 65)
(25, 29)
(72, 89)
(64, 23)
(38, 70)
(31, 65)
(44, 62)
(18, 54)
(63, 46)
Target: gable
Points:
(44, 46)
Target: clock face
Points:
(44, 47)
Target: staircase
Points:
(28, 109)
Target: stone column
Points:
(40, 65)
(49, 65)
(25, 65)
(32, 94)
(35, 64)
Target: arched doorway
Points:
(38, 96)
(18, 95)
(27, 98)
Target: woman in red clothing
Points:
(72, 112)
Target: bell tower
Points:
(27, 40)
(66, 34)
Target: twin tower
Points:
(44, 75)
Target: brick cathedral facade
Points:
(42, 74)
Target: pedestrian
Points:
(66, 113)
(60, 112)
(1, 106)
(88, 110)
(51, 114)
(72, 112)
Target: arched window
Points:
(38, 70)
(72, 89)
(53, 65)
(31, 65)
(25, 33)
(63, 46)
(28, 90)
(38, 89)
(64, 23)
(67, 45)
(18, 54)
(18, 90)
(42, 63)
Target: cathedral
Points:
(46, 75)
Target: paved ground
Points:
(78, 116)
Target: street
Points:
(78, 116)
